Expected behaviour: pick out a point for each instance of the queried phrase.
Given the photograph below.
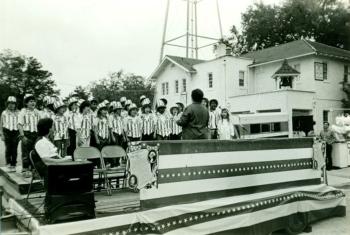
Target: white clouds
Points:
(82, 40)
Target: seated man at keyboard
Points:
(44, 147)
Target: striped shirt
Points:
(175, 129)
(73, 120)
(162, 126)
(46, 113)
(60, 127)
(86, 122)
(101, 125)
(214, 117)
(9, 120)
(29, 119)
(148, 123)
(116, 124)
(133, 127)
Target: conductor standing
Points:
(195, 118)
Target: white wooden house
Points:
(247, 84)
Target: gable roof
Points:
(295, 49)
(286, 70)
(185, 64)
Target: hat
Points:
(132, 106)
(72, 100)
(11, 99)
(122, 99)
(106, 102)
(28, 97)
(160, 104)
(118, 105)
(47, 100)
(91, 98)
(142, 97)
(58, 104)
(80, 101)
(113, 103)
(145, 102)
(128, 102)
(101, 106)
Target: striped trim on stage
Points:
(208, 146)
(229, 216)
(203, 170)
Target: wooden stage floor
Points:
(16, 187)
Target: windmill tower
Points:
(191, 35)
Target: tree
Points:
(325, 21)
(80, 92)
(20, 75)
(119, 84)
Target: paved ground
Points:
(334, 226)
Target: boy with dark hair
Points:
(195, 118)
(214, 117)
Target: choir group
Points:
(85, 123)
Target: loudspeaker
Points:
(69, 178)
(66, 208)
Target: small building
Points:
(302, 78)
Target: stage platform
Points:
(15, 188)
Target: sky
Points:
(81, 41)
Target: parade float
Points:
(202, 187)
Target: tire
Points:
(296, 224)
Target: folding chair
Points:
(94, 155)
(37, 170)
(115, 152)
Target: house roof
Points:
(184, 63)
(296, 49)
(286, 70)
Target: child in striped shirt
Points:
(60, 129)
(148, 121)
(9, 132)
(116, 125)
(86, 124)
(176, 130)
(28, 119)
(162, 123)
(133, 124)
(73, 119)
(101, 127)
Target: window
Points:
(255, 128)
(325, 115)
(320, 71)
(177, 86)
(266, 127)
(276, 126)
(184, 85)
(210, 80)
(346, 73)
(241, 78)
(163, 88)
(297, 68)
(167, 88)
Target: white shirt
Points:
(45, 148)
(226, 130)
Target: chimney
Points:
(228, 51)
(220, 50)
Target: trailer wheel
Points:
(296, 224)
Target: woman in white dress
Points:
(226, 129)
